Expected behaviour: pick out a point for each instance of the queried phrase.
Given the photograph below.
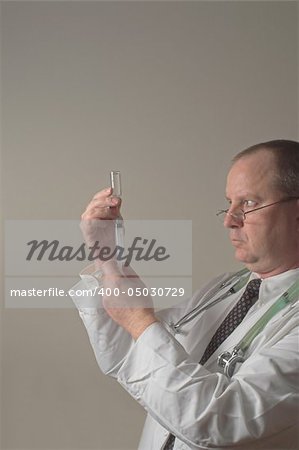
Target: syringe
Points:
(115, 182)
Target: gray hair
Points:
(286, 154)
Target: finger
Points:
(113, 203)
(103, 205)
(102, 194)
(107, 192)
(101, 213)
(105, 201)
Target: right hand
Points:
(132, 312)
(97, 221)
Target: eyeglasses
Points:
(240, 215)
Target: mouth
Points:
(235, 241)
(235, 237)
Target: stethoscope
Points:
(228, 360)
(237, 280)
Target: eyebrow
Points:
(248, 196)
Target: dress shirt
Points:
(256, 409)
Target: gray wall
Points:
(167, 92)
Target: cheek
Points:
(261, 237)
(270, 235)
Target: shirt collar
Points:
(273, 287)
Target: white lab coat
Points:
(256, 409)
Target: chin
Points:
(243, 257)
(240, 255)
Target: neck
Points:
(274, 271)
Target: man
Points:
(191, 402)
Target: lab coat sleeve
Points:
(204, 409)
(110, 342)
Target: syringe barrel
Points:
(115, 183)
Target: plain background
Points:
(166, 92)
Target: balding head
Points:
(286, 163)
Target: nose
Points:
(231, 221)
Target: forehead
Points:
(252, 174)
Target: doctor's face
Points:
(267, 240)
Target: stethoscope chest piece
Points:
(228, 361)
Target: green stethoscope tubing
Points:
(228, 360)
(287, 298)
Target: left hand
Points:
(133, 313)
(97, 222)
